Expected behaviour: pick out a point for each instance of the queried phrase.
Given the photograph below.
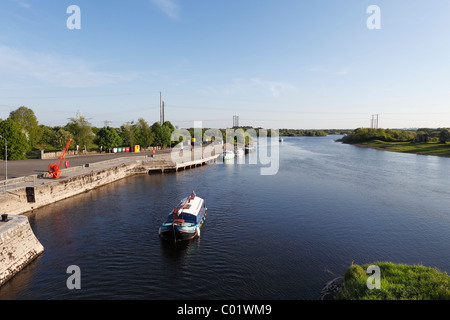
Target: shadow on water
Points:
(174, 251)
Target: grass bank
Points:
(425, 148)
(397, 282)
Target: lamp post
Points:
(6, 159)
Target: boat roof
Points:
(193, 206)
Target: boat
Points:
(281, 140)
(185, 221)
(249, 148)
(239, 152)
(228, 154)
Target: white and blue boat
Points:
(239, 152)
(228, 154)
(185, 221)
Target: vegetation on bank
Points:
(311, 133)
(360, 135)
(397, 282)
(422, 141)
(365, 134)
(296, 133)
(424, 148)
(26, 137)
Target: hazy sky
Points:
(274, 63)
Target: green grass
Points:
(430, 148)
(398, 282)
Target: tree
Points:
(27, 121)
(108, 138)
(143, 133)
(157, 133)
(444, 135)
(16, 140)
(81, 130)
(166, 133)
(48, 134)
(127, 135)
(61, 138)
(422, 136)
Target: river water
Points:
(277, 237)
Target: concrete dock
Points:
(24, 193)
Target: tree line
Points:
(298, 132)
(24, 134)
(441, 135)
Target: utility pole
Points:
(374, 122)
(160, 109)
(6, 159)
(235, 121)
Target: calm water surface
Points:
(265, 237)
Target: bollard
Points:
(4, 217)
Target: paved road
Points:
(21, 168)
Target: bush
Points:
(365, 134)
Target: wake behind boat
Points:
(186, 219)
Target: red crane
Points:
(55, 168)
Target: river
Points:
(277, 237)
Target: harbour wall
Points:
(22, 200)
(18, 246)
(18, 201)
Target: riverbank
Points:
(396, 282)
(423, 148)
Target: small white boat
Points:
(249, 148)
(239, 152)
(228, 154)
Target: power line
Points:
(82, 96)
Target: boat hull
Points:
(177, 235)
(177, 232)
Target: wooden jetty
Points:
(161, 166)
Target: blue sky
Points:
(275, 64)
